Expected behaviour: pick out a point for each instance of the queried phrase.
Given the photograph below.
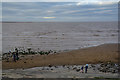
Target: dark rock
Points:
(51, 69)
(47, 69)
(63, 65)
(68, 67)
(74, 68)
(50, 65)
(113, 71)
(108, 67)
(102, 65)
(56, 67)
(93, 68)
(77, 70)
(25, 62)
(92, 65)
(98, 68)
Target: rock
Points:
(51, 69)
(74, 68)
(56, 67)
(102, 65)
(3, 73)
(113, 71)
(63, 65)
(68, 67)
(47, 69)
(108, 67)
(25, 62)
(77, 70)
(93, 68)
(50, 65)
(92, 65)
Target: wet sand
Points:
(102, 53)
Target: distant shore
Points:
(92, 55)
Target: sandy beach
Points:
(92, 55)
(65, 64)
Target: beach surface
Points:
(92, 55)
(56, 72)
(65, 64)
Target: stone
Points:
(77, 70)
(74, 68)
(25, 62)
(50, 65)
(51, 69)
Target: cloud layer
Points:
(85, 1)
(59, 11)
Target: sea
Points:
(57, 36)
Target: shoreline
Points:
(90, 55)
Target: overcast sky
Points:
(60, 11)
(88, 1)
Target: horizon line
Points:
(49, 21)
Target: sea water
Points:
(58, 36)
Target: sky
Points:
(55, 11)
(88, 1)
